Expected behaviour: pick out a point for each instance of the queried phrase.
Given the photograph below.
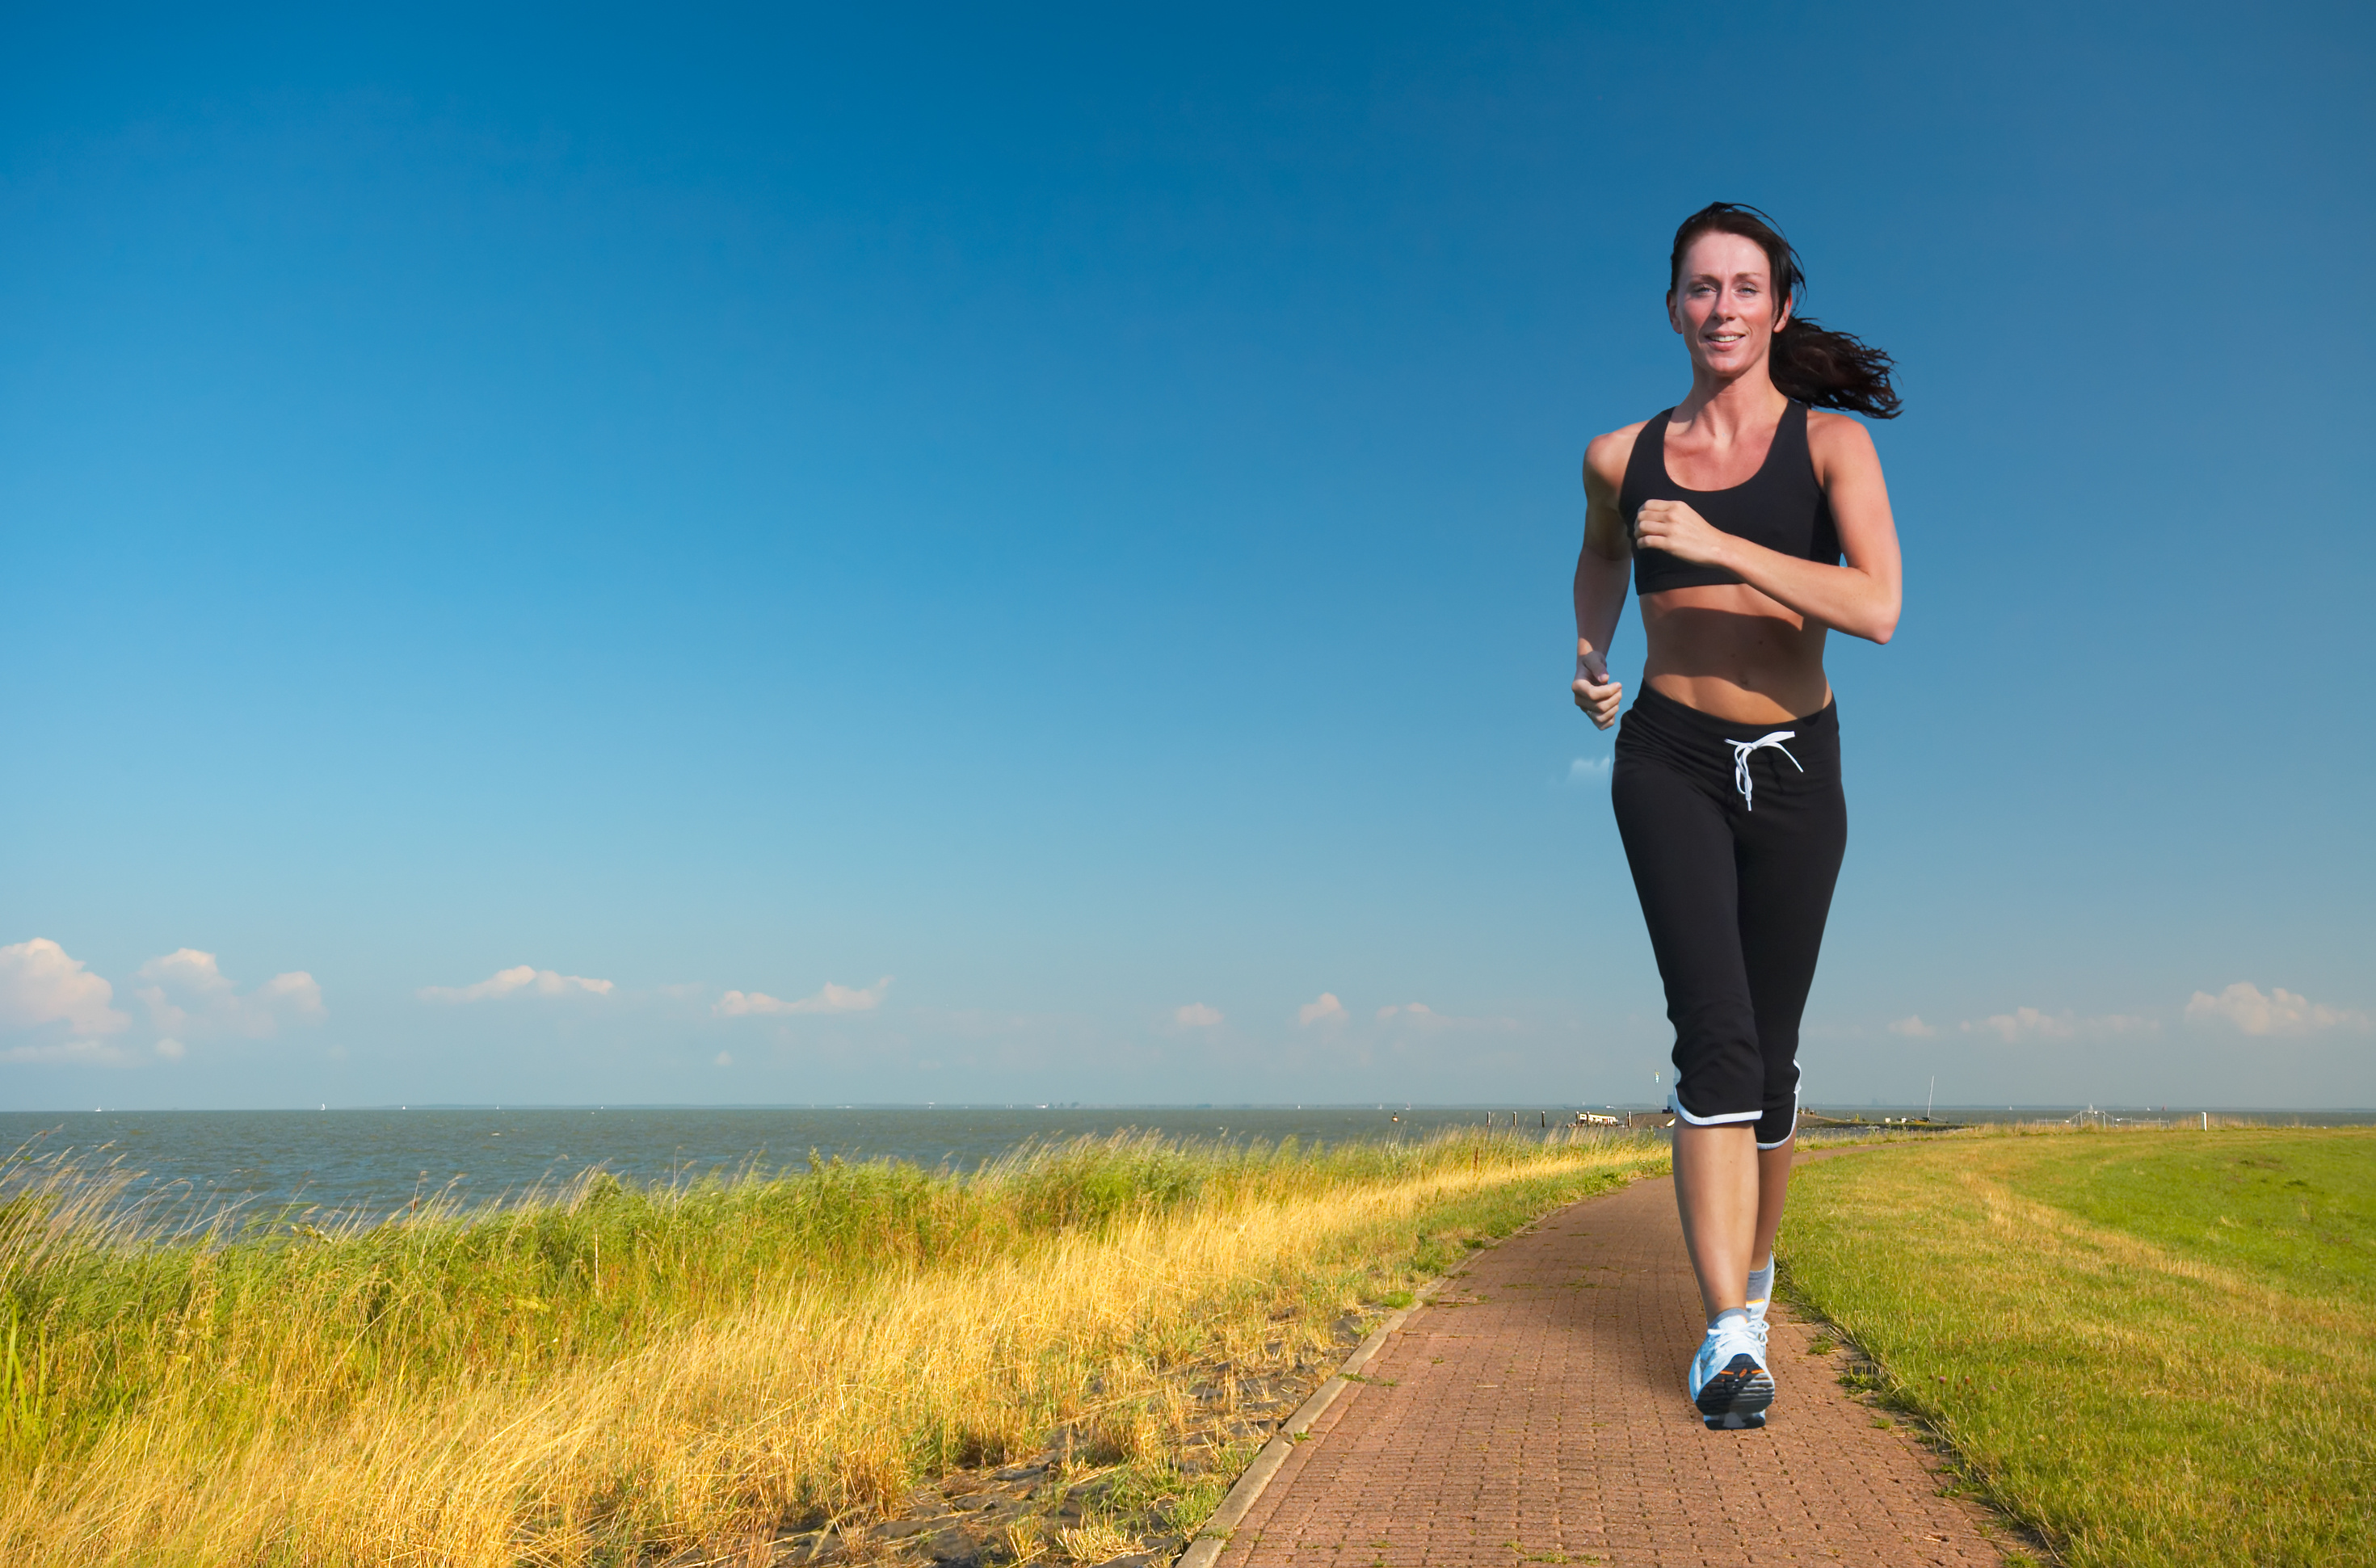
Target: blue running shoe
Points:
(1728, 1382)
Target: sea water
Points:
(378, 1160)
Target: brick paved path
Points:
(1535, 1412)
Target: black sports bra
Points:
(1781, 506)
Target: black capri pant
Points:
(1734, 834)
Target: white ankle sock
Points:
(1761, 1288)
(1716, 1323)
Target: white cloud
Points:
(1913, 1028)
(91, 1052)
(1323, 1009)
(172, 1049)
(1590, 770)
(2281, 1011)
(832, 999)
(2028, 1023)
(40, 983)
(1196, 1016)
(523, 980)
(187, 992)
(1420, 1017)
(723, 1058)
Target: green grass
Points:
(2152, 1346)
(2297, 1205)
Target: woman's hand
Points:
(1673, 526)
(1595, 692)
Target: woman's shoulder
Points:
(1606, 455)
(1836, 440)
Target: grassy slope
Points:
(576, 1382)
(2152, 1346)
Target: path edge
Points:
(1213, 1536)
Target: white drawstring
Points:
(1740, 750)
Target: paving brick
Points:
(1535, 1412)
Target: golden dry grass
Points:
(417, 1392)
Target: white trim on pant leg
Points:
(1794, 1124)
(1675, 1104)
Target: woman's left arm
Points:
(1861, 598)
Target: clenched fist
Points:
(1673, 526)
(1595, 692)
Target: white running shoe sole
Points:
(1734, 1397)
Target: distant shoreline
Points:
(382, 1159)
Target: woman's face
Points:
(1724, 305)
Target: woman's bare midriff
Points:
(1731, 651)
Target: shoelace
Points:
(1740, 750)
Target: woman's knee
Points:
(1719, 1074)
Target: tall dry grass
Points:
(583, 1378)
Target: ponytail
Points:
(1832, 370)
(1821, 368)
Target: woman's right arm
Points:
(1603, 568)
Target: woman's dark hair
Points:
(1825, 370)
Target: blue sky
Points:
(933, 554)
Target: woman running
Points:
(1754, 523)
